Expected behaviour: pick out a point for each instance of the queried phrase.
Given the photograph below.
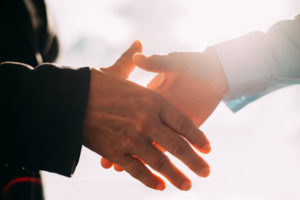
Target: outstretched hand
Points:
(122, 69)
(194, 82)
(123, 120)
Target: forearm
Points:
(259, 63)
(42, 113)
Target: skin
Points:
(194, 82)
(122, 69)
(123, 120)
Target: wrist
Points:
(90, 108)
(217, 70)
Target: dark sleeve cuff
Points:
(42, 115)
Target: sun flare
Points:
(207, 22)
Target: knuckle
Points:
(154, 98)
(185, 126)
(157, 102)
(149, 101)
(161, 163)
(181, 148)
(140, 146)
(126, 142)
(147, 127)
(129, 145)
(196, 137)
(136, 170)
(139, 174)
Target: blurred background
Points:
(256, 151)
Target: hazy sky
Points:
(256, 152)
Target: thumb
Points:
(124, 65)
(173, 62)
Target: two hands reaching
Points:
(130, 125)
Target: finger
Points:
(124, 65)
(155, 63)
(106, 163)
(161, 163)
(139, 171)
(180, 148)
(139, 159)
(157, 82)
(173, 62)
(158, 147)
(184, 126)
(118, 168)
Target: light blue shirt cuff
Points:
(240, 102)
(259, 63)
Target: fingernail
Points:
(205, 148)
(205, 172)
(160, 186)
(186, 185)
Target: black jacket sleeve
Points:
(42, 112)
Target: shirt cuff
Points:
(249, 68)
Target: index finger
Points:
(184, 126)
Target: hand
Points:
(122, 121)
(194, 82)
(122, 69)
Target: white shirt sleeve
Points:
(259, 63)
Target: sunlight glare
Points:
(208, 22)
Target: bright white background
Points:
(256, 152)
